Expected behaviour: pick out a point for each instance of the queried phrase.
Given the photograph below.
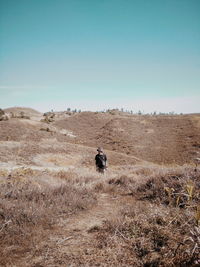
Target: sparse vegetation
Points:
(56, 210)
(48, 117)
(3, 116)
(29, 210)
(155, 230)
(23, 116)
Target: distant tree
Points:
(68, 109)
(2, 112)
(22, 114)
(139, 112)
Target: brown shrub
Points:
(152, 238)
(152, 231)
(178, 189)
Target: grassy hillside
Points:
(56, 210)
(160, 139)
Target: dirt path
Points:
(75, 236)
(10, 167)
(107, 206)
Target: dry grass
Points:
(29, 209)
(151, 212)
(155, 230)
(151, 229)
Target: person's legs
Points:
(100, 170)
(97, 168)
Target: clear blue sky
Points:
(96, 54)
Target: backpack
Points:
(101, 161)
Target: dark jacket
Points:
(101, 160)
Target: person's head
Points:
(100, 150)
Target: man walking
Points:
(101, 160)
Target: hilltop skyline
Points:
(95, 55)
